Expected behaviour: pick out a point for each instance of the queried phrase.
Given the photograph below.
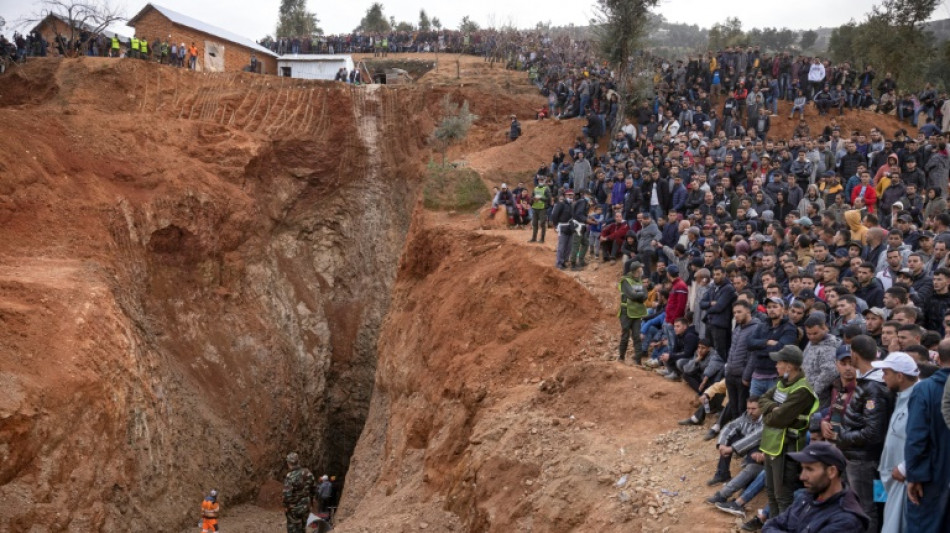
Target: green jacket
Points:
(786, 409)
(632, 308)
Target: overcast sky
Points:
(257, 18)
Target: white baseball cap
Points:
(898, 362)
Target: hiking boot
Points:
(651, 363)
(732, 507)
(711, 434)
(716, 500)
(691, 421)
(753, 525)
(716, 480)
(533, 240)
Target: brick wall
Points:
(236, 57)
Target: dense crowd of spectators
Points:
(799, 286)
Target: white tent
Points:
(313, 66)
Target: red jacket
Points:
(615, 232)
(870, 196)
(676, 304)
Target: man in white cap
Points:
(900, 376)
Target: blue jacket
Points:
(719, 315)
(926, 456)
(760, 352)
(841, 513)
(679, 198)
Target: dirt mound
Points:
(863, 121)
(191, 282)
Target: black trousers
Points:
(738, 394)
(721, 339)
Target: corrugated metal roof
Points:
(203, 27)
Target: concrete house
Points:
(313, 66)
(219, 50)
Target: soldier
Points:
(633, 293)
(299, 490)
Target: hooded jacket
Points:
(819, 367)
(864, 425)
(859, 233)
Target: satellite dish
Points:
(2, 23)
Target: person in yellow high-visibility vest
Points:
(134, 51)
(114, 51)
(143, 48)
(786, 411)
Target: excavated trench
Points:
(193, 287)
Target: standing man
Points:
(819, 356)
(828, 506)
(632, 311)
(863, 426)
(561, 216)
(299, 491)
(925, 453)
(648, 235)
(539, 209)
(717, 303)
(900, 375)
(737, 361)
(786, 409)
(769, 337)
(325, 494)
(192, 56)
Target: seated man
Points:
(740, 437)
(612, 237)
(828, 505)
(686, 340)
(702, 370)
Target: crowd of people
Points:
(798, 286)
(100, 45)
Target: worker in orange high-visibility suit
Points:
(209, 513)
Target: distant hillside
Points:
(679, 39)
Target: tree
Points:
(784, 38)
(436, 23)
(456, 121)
(424, 23)
(294, 20)
(891, 39)
(404, 27)
(375, 21)
(620, 26)
(84, 19)
(808, 39)
(725, 34)
(468, 25)
(841, 42)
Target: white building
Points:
(313, 66)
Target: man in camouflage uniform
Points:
(299, 490)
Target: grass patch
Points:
(450, 188)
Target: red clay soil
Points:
(191, 282)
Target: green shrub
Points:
(452, 188)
